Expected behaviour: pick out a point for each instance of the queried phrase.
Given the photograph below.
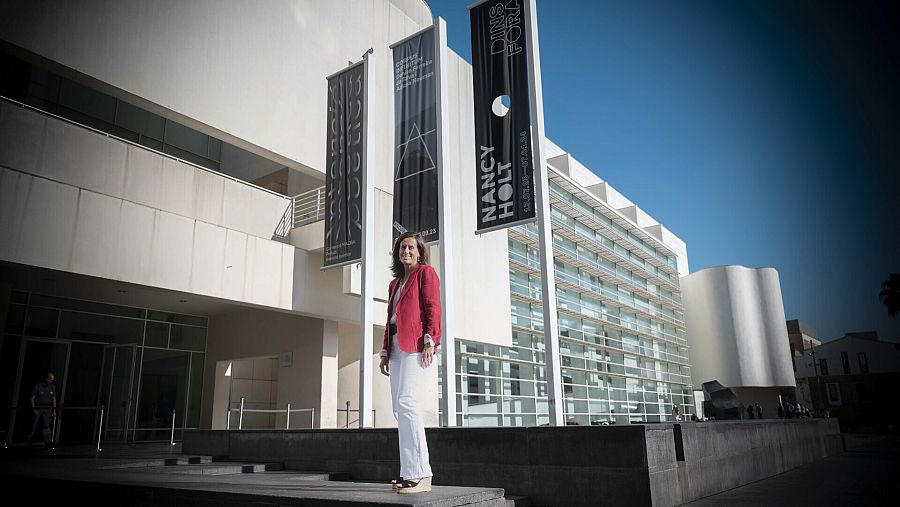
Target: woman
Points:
(412, 334)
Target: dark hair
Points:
(396, 265)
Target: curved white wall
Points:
(736, 327)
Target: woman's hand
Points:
(385, 367)
(427, 355)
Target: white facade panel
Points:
(143, 177)
(48, 225)
(21, 134)
(208, 259)
(178, 187)
(95, 242)
(135, 244)
(170, 256)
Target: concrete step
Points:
(157, 462)
(202, 465)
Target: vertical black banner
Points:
(504, 171)
(345, 155)
(415, 138)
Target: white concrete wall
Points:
(36, 144)
(58, 226)
(348, 381)
(307, 383)
(249, 72)
(736, 327)
(883, 357)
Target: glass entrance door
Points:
(37, 358)
(115, 390)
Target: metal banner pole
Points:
(541, 185)
(448, 344)
(368, 249)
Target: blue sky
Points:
(762, 133)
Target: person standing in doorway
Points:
(411, 336)
(43, 406)
(758, 411)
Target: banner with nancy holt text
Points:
(504, 171)
(415, 138)
(345, 154)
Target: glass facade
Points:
(139, 366)
(623, 349)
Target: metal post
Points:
(312, 422)
(368, 247)
(542, 195)
(100, 429)
(172, 438)
(228, 419)
(287, 425)
(241, 419)
(348, 415)
(448, 345)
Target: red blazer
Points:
(418, 311)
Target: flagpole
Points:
(548, 282)
(448, 344)
(368, 251)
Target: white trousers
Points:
(407, 378)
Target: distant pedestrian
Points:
(780, 411)
(750, 411)
(43, 405)
(676, 412)
(758, 411)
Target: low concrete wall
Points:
(718, 456)
(657, 464)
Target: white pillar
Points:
(542, 195)
(448, 345)
(328, 402)
(368, 250)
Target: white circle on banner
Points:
(501, 105)
(505, 192)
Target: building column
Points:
(329, 387)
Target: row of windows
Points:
(50, 92)
(599, 216)
(529, 286)
(48, 317)
(861, 359)
(601, 242)
(529, 256)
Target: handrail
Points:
(308, 207)
(348, 410)
(167, 155)
(287, 411)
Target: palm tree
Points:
(890, 294)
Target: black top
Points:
(43, 393)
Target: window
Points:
(845, 362)
(823, 367)
(863, 362)
(834, 394)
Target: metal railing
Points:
(287, 411)
(347, 411)
(308, 207)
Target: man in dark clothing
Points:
(780, 411)
(758, 411)
(750, 411)
(43, 403)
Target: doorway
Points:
(38, 357)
